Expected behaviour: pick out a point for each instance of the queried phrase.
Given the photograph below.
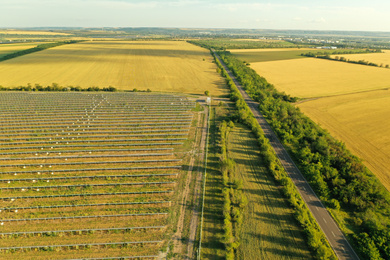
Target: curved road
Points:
(336, 238)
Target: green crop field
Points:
(89, 175)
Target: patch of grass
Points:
(269, 230)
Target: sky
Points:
(354, 15)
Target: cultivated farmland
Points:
(88, 175)
(169, 66)
(349, 100)
(14, 47)
(360, 120)
(378, 58)
(308, 78)
(261, 55)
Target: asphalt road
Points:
(336, 238)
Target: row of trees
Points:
(314, 236)
(326, 56)
(56, 87)
(234, 199)
(337, 176)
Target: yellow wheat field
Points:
(361, 121)
(13, 47)
(312, 77)
(378, 58)
(173, 66)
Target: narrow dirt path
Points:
(197, 189)
(180, 245)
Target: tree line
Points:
(56, 87)
(234, 199)
(326, 56)
(315, 238)
(338, 177)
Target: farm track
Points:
(183, 245)
(336, 238)
(105, 161)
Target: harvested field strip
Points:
(176, 122)
(94, 169)
(94, 123)
(96, 238)
(86, 223)
(84, 185)
(80, 245)
(34, 118)
(81, 217)
(104, 131)
(84, 195)
(89, 145)
(4, 235)
(30, 121)
(87, 156)
(97, 141)
(107, 138)
(101, 130)
(87, 151)
(89, 212)
(86, 163)
(89, 177)
(84, 205)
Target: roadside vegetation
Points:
(314, 236)
(339, 178)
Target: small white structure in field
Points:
(2, 223)
(34, 180)
(9, 182)
(23, 189)
(52, 173)
(47, 181)
(39, 173)
(208, 101)
(37, 189)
